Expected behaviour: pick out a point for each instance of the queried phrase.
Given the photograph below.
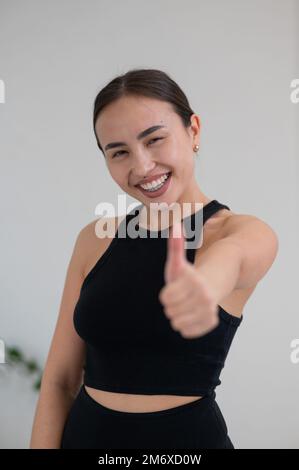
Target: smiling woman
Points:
(163, 128)
(149, 325)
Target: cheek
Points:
(178, 156)
(117, 176)
(171, 155)
(183, 164)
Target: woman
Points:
(148, 322)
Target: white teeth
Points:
(154, 184)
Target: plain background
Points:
(235, 61)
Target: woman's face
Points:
(167, 149)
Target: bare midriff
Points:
(134, 403)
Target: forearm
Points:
(51, 412)
(220, 266)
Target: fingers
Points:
(186, 304)
(184, 321)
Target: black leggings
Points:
(196, 425)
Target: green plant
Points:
(14, 356)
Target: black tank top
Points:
(130, 344)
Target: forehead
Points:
(131, 115)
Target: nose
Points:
(142, 165)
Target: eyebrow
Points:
(139, 136)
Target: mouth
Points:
(159, 188)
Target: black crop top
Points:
(130, 344)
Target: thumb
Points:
(176, 259)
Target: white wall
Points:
(235, 61)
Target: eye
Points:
(116, 153)
(157, 138)
(122, 151)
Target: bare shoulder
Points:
(253, 226)
(258, 245)
(215, 226)
(255, 238)
(226, 223)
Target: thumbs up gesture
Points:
(187, 299)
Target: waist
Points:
(138, 403)
(159, 375)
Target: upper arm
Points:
(258, 245)
(64, 365)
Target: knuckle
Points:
(177, 322)
(188, 333)
(169, 310)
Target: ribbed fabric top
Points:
(130, 344)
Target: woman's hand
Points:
(188, 301)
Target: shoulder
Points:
(229, 223)
(250, 225)
(257, 243)
(216, 225)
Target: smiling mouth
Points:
(157, 186)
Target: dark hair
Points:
(152, 83)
